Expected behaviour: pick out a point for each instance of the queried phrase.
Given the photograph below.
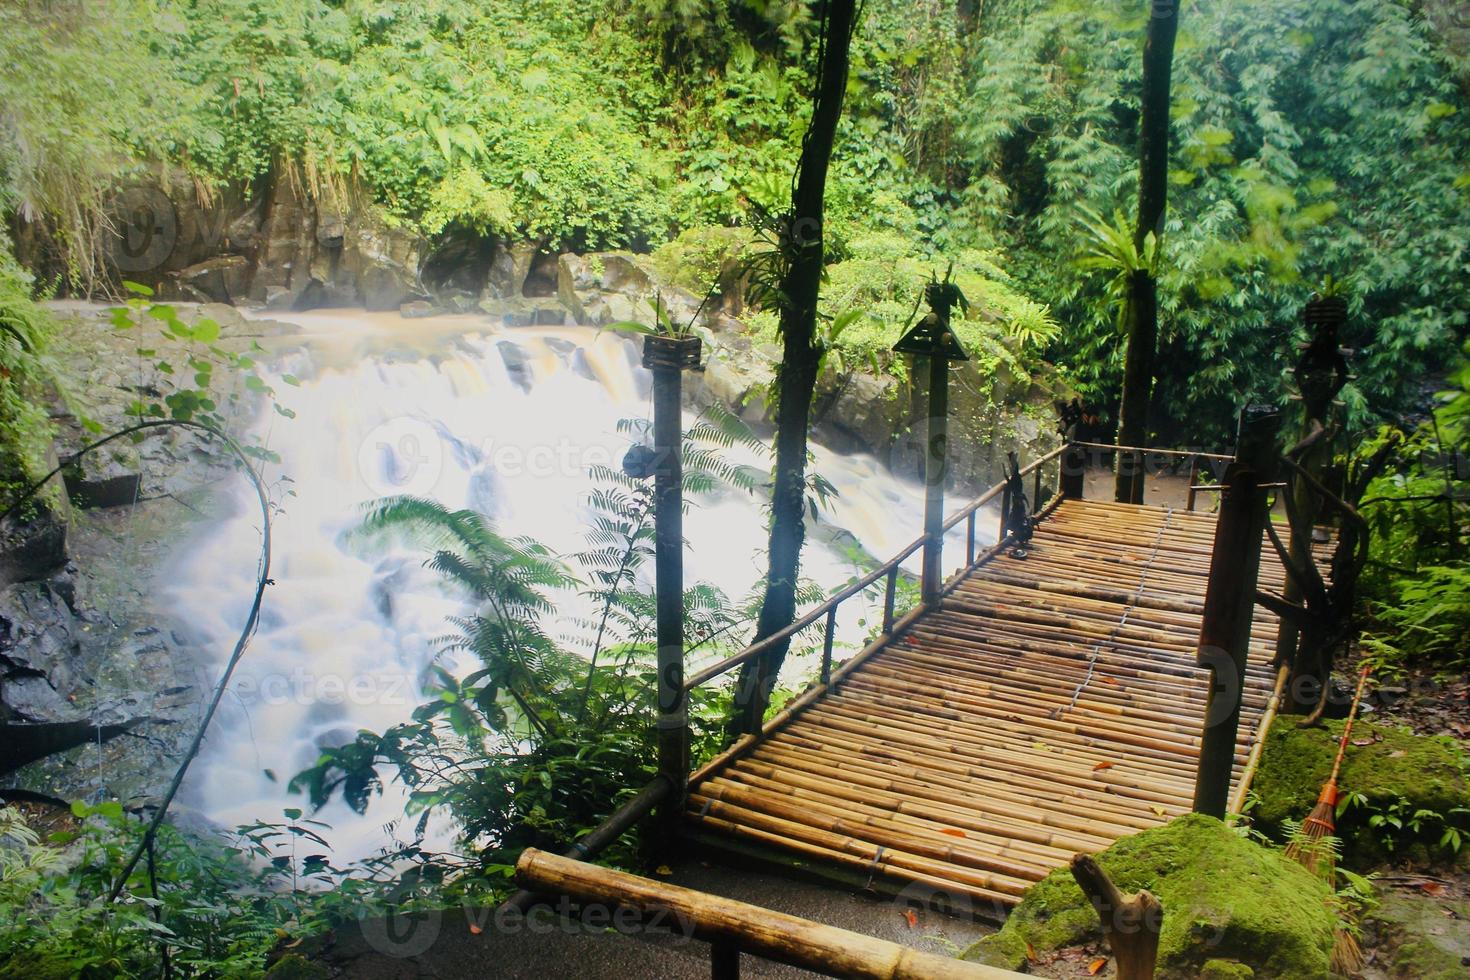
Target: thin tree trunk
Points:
(1143, 296)
(797, 376)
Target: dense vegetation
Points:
(1312, 138)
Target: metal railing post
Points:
(827, 638)
(888, 595)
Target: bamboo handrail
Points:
(729, 925)
(1183, 453)
(889, 569)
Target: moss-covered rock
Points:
(1429, 772)
(1225, 970)
(1224, 897)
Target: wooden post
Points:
(724, 960)
(1073, 477)
(667, 357)
(1130, 922)
(1321, 373)
(932, 339)
(1225, 626)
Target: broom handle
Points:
(1347, 729)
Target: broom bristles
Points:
(1306, 847)
(1347, 955)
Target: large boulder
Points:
(381, 261)
(222, 279)
(1231, 907)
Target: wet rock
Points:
(417, 309)
(509, 267)
(39, 652)
(32, 546)
(573, 280)
(120, 489)
(737, 382)
(516, 365)
(222, 279)
(382, 261)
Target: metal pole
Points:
(933, 576)
(1225, 627)
(932, 338)
(667, 358)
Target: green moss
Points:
(294, 966)
(1223, 896)
(1427, 771)
(1225, 970)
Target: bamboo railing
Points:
(887, 572)
(732, 927)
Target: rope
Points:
(1122, 620)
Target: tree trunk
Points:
(797, 377)
(1143, 297)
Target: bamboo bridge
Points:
(1101, 669)
(1050, 703)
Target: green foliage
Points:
(1303, 145)
(884, 279)
(1417, 584)
(215, 912)
(696, 257)
(60, 149)
(26, 377)
(192, 391)
(549, 733)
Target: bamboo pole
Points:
(763, 932)
(1258, 746)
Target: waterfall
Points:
(506, 423)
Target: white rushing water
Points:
(504, 422)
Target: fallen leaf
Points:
(1110, 680)
(952, 831)
(475, 930)
(1031, 954)
(1158, 810)
(1102, 765)
(911, 917)
(1432, 888)
(663, 869)
(1096, 965)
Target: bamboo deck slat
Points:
(1049, 706)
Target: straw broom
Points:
(1308, 846)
